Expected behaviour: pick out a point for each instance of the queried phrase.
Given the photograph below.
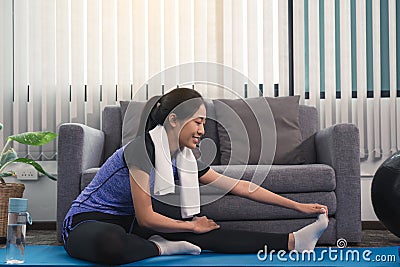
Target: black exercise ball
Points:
(385, 193)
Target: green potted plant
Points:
(8, 156)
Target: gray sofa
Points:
(330, 176)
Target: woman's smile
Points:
(196, 139)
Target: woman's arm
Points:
(254, 192)
(146, 217)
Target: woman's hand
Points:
(203, 225)
(312, 208)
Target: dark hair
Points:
(158, 108)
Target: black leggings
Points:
(105, 239)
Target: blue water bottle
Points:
(18, 216)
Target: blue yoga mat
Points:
(384, 256)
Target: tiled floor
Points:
(370, 238)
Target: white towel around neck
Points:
(187, 170)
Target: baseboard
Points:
(373, 225)
(45, 225)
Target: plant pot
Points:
(7, 190)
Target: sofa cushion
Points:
(308, 120)
(134, 109)
(211, 135)
(112, 127)
(276, 178)
(230, 207)
(315, 186)
(88, 175)
(249, 129)
(285, 111)
(284, 178)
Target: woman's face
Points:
(193, 128)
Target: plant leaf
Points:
(7, 174)
(1, 126)
(36, 166)
(33, 138)
(10, 155)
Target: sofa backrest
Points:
(309, 125)
(112, 128)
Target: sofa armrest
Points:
(80, 147)
(339, 147)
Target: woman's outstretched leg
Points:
(234, 241)
(237, 241)
(225, 241)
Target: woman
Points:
(125, 215)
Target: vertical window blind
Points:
(350, 67)
(63, 61)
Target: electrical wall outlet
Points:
(26, 172)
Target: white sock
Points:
(174, 247)
(306, 238)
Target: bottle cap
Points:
(17, 205)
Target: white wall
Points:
(367, 211)
(41, 194)
(368, 169)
